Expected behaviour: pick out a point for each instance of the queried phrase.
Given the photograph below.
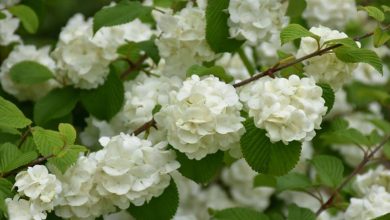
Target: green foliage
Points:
(295, 31)
(105, 101)
(293, 181)
(11, 157)
(381, 124)
(216, 71)
(238, 214)
(345, 136)
(200, 171)
(295, 8)
(296, 69)
(380, 37)
(48, 142)
(123, 12)
(163, 207)
(5, 192)
(67, 157)
(359, 55)
(58, 103)
(298, 213)
(11, 116)
(349, 42)
(131, 50)
(68, 131)
(150, 48)
(217, 30)
(329, 170)
(264, 180)
(383, 217)
(27, 16)
(2, 15)
(30, 72)
(328, 95)
(373, 12)
(264, 156)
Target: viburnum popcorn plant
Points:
(174, 110)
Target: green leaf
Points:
(361, 94)
(2, 15)
(200, 171)
(264, 156)
(298, 213)
(217, 30)
(58, 103)
(383, 217)
(67, 157)
(150, 48)
(123, 12)
(373, 12)
(156, 109)
(30, 72)
(48, 142)
(11, 116)
(162, 208)
(27, 16)
(295, 8)
(28, 145)
(12, 158)
(328, 95)
(345, 136)
(385, 8)
(381, 124)
(264, 180)
(380, 37)
(68, 131)
(22, 160)
(5, 187)
(217, 71)
(239, 214)
(358, 55)
(295, 31)
(329, 169)
(105, 101)
(293, 181)
(349, 42)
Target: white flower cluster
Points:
(288, 109)
(127, 170)
(27, 53)
(83, 58)
(239, 177)
(202, 117)
(8, 26)
(326, 68)
(182, 42)
(256, 20)
(331, 13)
(42, 190)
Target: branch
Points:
(133, 66)
(361, 165)
(39, 160)
(144, 127)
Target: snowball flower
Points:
(182, 42)
(37, 184)
(21, 209)
(288, 109)
(379, 176)
(8, 26)
(202, 117)
(25, 92)
(331, 13)
(326, 68)
(374, 204)
(256, 20)
(83, 58)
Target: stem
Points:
(144, 127)
(24, 136)
(37, 161)
(361, 165)
(134, 66)
(247, 63)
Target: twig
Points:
(361, 165)
(134, 66)
(24, 136)
(144, 127)
(37, 161)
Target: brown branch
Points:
(39, 160)
(144, 127)
(133, 66)
(24, 136)
(357, 170)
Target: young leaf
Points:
(356, 55)
(298, 213)
(163, 207)
(124, 12)
(21, 160)
(373, 12)
(385, 8)
(264, 180)
(48, 142)
(329, 169)
(67, 157)
(150, 48)
(346, 136)
(58, 103)
(30, 72)
(295, 8)
(293, 181)
(238, 214)
(11, 116)
(217, 30)
(380, 37)
(105, 101)
(328, 95)
(68, 131)
(349, 42)
(214, 70)
(11, 157)
(200, 171)
(27, 16)
(295, 31)
(264, 156)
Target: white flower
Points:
(256, 20)
(326, 68)
(233, 64)
(37, 184)
(288, 109)
(374, 204)
(331, 13)
(8, 26)
(9, 2)
(367, 74)
(21, 209)
(267, 50)
(306, 155)
(83, 59)
(182, 42)
(27, 53)
(202, 118)
(379, 176)
(239, 177)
